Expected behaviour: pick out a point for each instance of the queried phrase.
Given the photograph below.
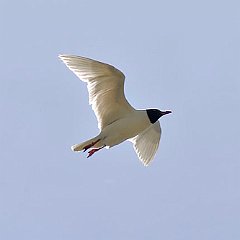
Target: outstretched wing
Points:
(146, 143)
(105, 87)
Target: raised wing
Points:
(105, 87)
(146, 143)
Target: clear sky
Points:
(178, 55)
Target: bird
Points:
(117, 120)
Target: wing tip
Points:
(70, 57)
(63, 56)
(145, 164)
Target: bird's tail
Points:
(85, 145)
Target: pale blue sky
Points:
(178, 55)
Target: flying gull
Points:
(117, 119)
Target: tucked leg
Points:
(92, 151)
(90, 145)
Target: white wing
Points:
(146, 143)
(105, 87)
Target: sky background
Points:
(178, 55)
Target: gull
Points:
(117, 119)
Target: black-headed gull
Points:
(117, 119)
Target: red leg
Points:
(92, 151)
(90, 145)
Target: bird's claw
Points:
(92, 151)
(90, 145)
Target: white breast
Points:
(125, 128)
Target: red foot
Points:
(90, 145)
(92, 151)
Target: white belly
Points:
(125, 128)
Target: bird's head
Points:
(155, 114)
